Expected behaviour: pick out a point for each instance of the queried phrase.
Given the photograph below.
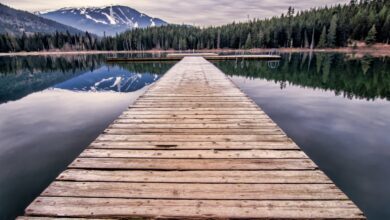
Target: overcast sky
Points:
(199, 12)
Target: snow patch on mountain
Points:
(95, 20)
(104, 20)
(110, 18)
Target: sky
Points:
(198, 12)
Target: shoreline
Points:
(380, 50)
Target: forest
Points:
(325, 27)
(365, 78)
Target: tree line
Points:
(336, 26)
(365, 78)
(43, 42)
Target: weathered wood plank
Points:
(195, 145)
(170, 94)
(194, 126)
(192, 112)
(180, 117)
(114, 207)
(192, 154)
(185, 102)
(258, 176)
(193, 94)
(193, 99)
(192, 138)
(197, 120)
(192, 131)
(195, 191)
(257, 122)
(251, 109)
(195, 105)
(193, 164)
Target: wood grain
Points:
(230, 176)
(192, 164)
(184, 209)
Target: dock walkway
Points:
(193, 146)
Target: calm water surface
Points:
(337, 109)
(334, 106)
(51, 108)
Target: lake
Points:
(51, 108)
(335, 107)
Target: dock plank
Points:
(180, 117)
(193, 146)
(258, 176)
(195, 121)
(201, 191)
(193, 137)
(194, 126)
(192, 154)
(182, 209)
(228, 131)
(192, 164)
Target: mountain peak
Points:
(108, 20)
(17, 22)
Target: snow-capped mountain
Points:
(106, 20)
(17, 22)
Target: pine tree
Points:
(371, 36)
(306, 42)
(219, 39)
(2, 45)
(331, 41)
(312, 40)
(24, 42)
(322, 42)
(248, 42)
(386, 29)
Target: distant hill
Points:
(16, 22)
(109, 20)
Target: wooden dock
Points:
(193, 146)
(182, 55)
(210, 57)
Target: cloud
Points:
(200, 12)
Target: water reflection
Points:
(366, 78)
(118, 78)
(42, 133)
(20, 76)
(337, 110)
(51, 108)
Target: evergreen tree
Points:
(386, 29)
(219, 39)
(322, 42)
(248, 42)
(312, 40)
(306, 43)
(371, 36)
(24, 42)
(331, 41)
